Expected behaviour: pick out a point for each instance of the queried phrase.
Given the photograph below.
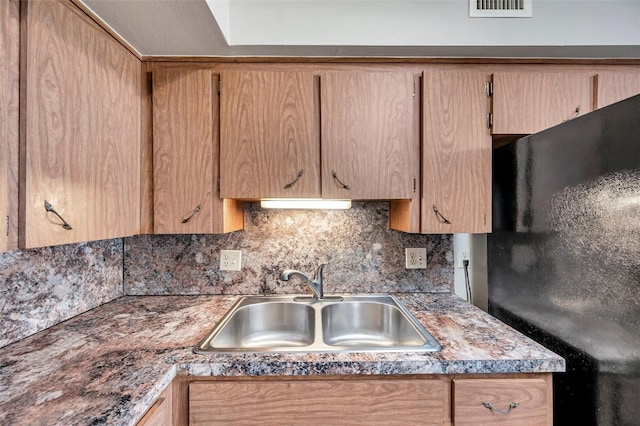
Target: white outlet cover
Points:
(415, 258)
(230, 260)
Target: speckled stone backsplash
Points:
(43, 287)
(362, 253)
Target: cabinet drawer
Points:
(533, 397)
(307, 402)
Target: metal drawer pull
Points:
(576, 113)
(497, 410)
(440, 217)
(293, 182)
(335, 177)
(49, 208)
(193, 213)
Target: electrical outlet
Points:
(415, 258)
(462, 256)
(230, 260)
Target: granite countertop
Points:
(108, 365)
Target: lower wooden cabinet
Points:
(327, 401)
(465, 399)
(522, 402)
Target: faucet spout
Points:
(315, 284)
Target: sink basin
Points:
(370, 324)
(303, 324)
(266, 325)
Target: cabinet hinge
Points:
(7, 226)
(414, 89)
(414, 185)
(488, 88)
(489, 120)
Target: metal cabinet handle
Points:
(575, 114)
(491, 407)
(293, 182)
(440, 217)
(193, 213)
(335, 177)
(49, 208)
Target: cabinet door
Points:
(269, 139)
(526, 102)
(185, 155)
(80, 129)
(308, 402)
(9, 106)
(456, 188)
(370, 135)
(615, 86)
(520, 402)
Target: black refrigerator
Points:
(564, 257)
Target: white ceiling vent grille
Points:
(500, 8)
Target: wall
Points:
(430, 23)
(43, 287)
(363, 255)
(46, 286)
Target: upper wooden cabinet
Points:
(271, 143)
(456, 172)
(185, 154)
(614, 86)
(370, 135)
(528, 101)
(80, 129)
(9, 122)
(269, 131)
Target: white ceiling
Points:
(425, 28)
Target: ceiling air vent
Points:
(500, 8)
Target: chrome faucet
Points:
(316, 284)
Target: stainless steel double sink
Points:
(304, 324)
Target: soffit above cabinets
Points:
(387, 28)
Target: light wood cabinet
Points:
(270, 141)
(170, 407)
(614, 86)
(370, 135)
(80, 129)
(159, 414)
(320, 401)
(456, 172)
(526, 101)
(345, 400)
(523, 402)
(186, 155)
(9, 122)
(271, 122)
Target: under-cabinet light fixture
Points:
(305, 204)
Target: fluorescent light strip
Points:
(305, 204)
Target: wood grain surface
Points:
(526, 102)
(614, 86)
(368, 135)
(269, 135)
(456, 169)
(9, 122)
(80, 128)
(318, 402)
(183, 143)
(534, 398)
